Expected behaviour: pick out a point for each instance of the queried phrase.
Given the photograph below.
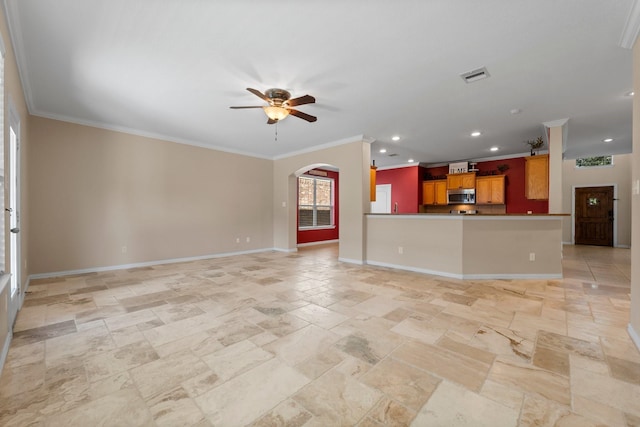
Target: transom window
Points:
(315, 202)
(587, 162)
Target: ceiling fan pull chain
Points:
(277, 130)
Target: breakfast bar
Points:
(509, 246)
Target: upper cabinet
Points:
(461, 180)
(490, 190)
(372, 183)
(434, 192)
(536, 177)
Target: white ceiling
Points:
(172, 68)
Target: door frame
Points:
(388, 190)
(14, 121)
(615, 210)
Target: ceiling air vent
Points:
(392, 155)
(475, 75)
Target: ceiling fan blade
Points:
(303, 116)
(237, 108)
(259, 94)
(306, 99)
(271, 121)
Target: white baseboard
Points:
(467, 276)
(5, 350)
(635, 337)
(351, 261)
(615, 246)
(287, 250)
(415, 269)
(321, 242)
(144, 264)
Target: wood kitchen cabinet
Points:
(372, 183)
(434, 192)
(536, 177)
(490, 190)
(461, 180)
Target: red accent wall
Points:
(515, 200)
(406, 187)
(310, 236)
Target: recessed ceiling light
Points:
(493, 148)
(515, 111)
(395, 138)
(607, 140)
(383, 150)
(476, 133)
(410, 160)
(631, 93)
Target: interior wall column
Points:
(556, 133)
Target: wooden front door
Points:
(594, 216)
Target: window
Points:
(315, 202)
(587, 162)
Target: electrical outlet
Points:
(248, 239)
(124, 249)
(532, 256)
(237, 240)
(400, 250)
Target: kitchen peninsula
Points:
(512, 246)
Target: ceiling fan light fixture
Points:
(275, 113)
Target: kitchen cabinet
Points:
(434, 192)
(461, 180)
(490, 190)
(372, 183)
(536, 177)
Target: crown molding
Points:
(631, 28)
(556, 123)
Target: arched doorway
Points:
(352, 158)
(317, 205)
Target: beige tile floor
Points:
(276, 339)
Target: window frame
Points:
(314, 207)
(610, 165)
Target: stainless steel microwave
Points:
(463, 196)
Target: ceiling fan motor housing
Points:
(277, 96)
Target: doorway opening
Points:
(16, 295)
(594, 216)
(317, 205)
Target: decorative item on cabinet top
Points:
(535, 144)
(460, 167)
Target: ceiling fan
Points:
(280, 104)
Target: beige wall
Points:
(416, 235)
(352, 159)
(619, 175)
(634, 326)
(467, 246)
(96, 191)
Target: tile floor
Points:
(276, 339)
